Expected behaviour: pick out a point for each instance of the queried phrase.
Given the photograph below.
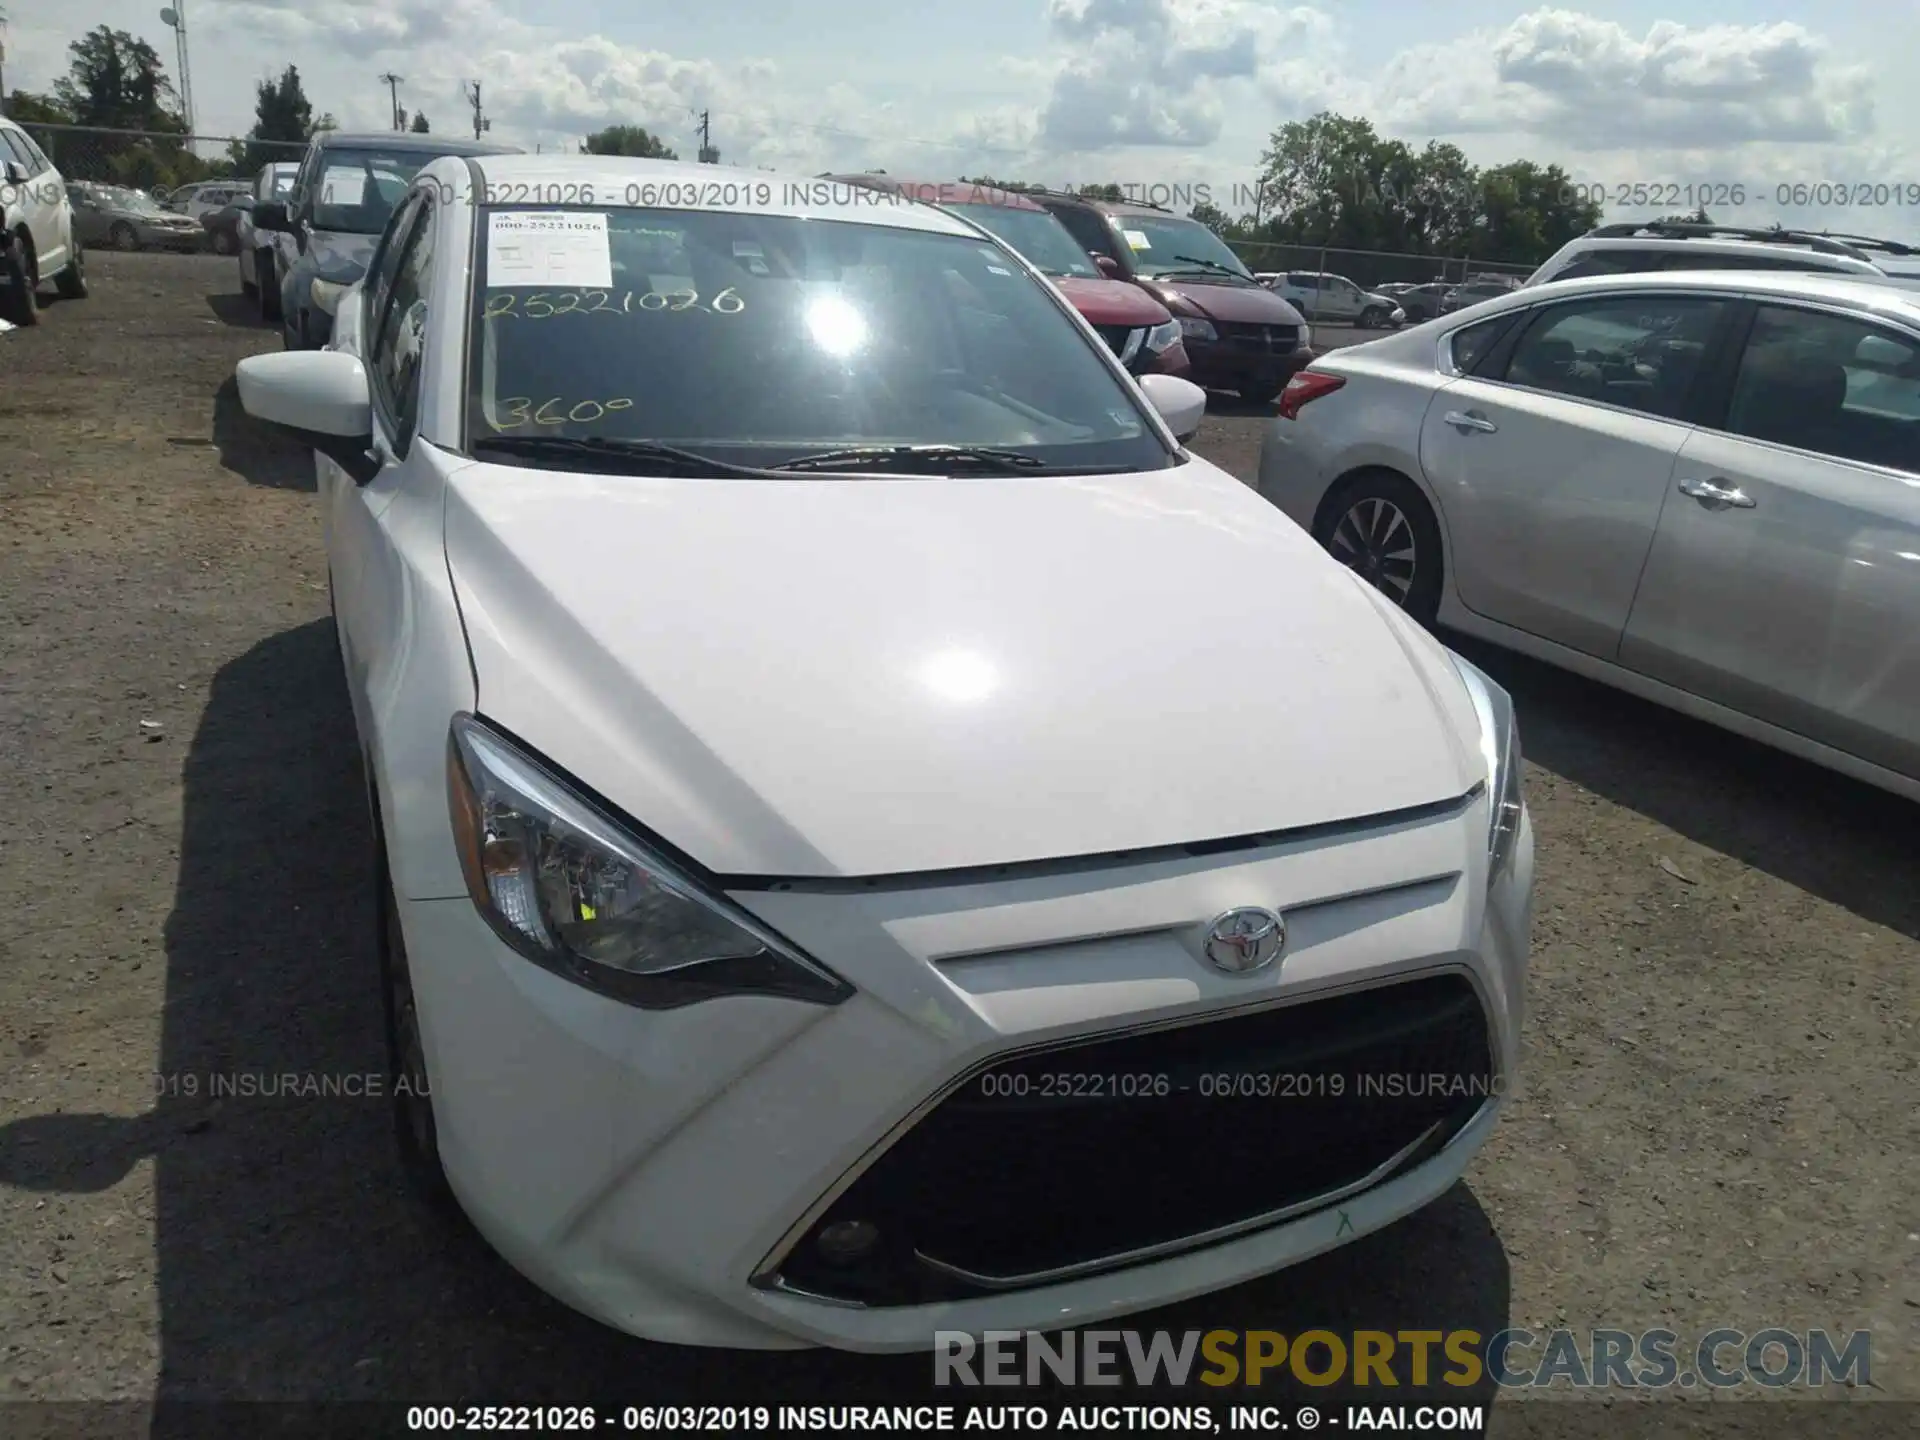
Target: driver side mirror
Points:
(272, 215)
(1181, 403)
(1107, 266)
(17, 173)
(321, 397)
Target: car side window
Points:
(16, 150)
(1472, 345)
(1830, 384)
(385, 261)
(1641, 352)
(401, 328)
(1612, 262)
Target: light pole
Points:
(174, 17)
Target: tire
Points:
(1260, 394)
(1380, 526)
(1373, 318)
(416, 1134)
(20, 301)
(123, 236)
(225, 244)
(72, 281)
(266, 280)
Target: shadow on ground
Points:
(1845, 842)
(240, 311)
(293, 1263)
(254, 450)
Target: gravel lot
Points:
(1718, 1126)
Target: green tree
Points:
(117, 82)
(1213, 217)
(1102, 192)
(1528, 211)
(627, 140)
(26, 108)
(283, 119)
(420, 126)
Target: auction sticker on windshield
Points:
(1137, 239)
(549, 247)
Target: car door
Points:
(287, 243)
(1550, 461)
(41, 200)
(1343, 298)
(1784, 581)
(391, 340)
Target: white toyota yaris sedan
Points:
(874, 836)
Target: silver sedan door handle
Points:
(1464, 420)
(1717, 494)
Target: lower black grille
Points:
(1272, 339)
(1110, 1152)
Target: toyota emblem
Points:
(1245, 940)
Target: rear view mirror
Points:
(17, 173)
(1107, 266)
(271, 215)
(1181, 403)
(321, 396)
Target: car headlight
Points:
(1192, 328)
(1500, 748)
(326, 294)
(566, 884)
(1161, 337)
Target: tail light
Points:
(1304, 386)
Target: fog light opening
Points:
(846, 1241)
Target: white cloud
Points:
(1590, 84)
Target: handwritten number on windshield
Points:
(519, 410)
(591, 302)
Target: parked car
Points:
(223, 226)
(120, 218)
(1239, 335)
(787, 658)
(1476, 289)
(258, 277)
(1327, 299)
(1701, 487)
(342, 197)
(206, 196)
(1631, 248)
(37, 243)
(1138, 328)
(1420, 302)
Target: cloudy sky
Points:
(1147, 92)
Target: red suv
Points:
(1239, 335)
(1137, 327)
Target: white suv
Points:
(1326, 298)
(37, 243)
(1632, 248)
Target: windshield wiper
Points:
(915, 458)
(1214, 266)
(632, 457)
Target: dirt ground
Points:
(1718, 1126)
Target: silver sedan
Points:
(1703, 488)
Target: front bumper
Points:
(1237, 362)
(658, 1169)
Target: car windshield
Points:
(357, 189)
(135, 202)
(758, 339)
(1168, 245)
(1047, 244)
(280, 183)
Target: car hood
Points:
(1112, 302)
(340, 255)
(828, 677)
(1237, 304)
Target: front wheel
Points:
(1372, 319)
(123, 236)
(1380, 527)
(72, 281)
(414, 1128)
(266, 280)
(21, 298)
(225, 244)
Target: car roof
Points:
(688, 185)
(1885, 296)
(407, 140)
(1800, 252)
(942, 192)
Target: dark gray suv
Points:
(325, 230)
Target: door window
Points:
(1641, 352)
(16, 150)
(1830, 384)
(401, 328)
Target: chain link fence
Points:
(1371, 268)
(154, 161)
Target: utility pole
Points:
(393, 83)
(708, 155)
(174, 17)
(480, 121)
